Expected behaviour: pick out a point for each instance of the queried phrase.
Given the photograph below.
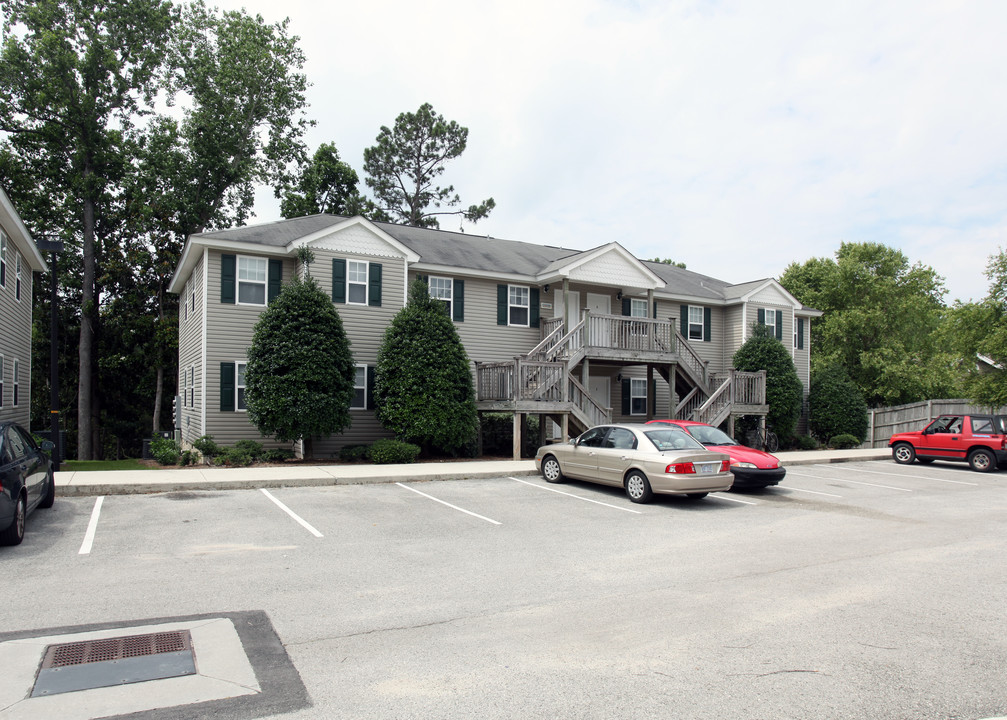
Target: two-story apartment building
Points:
(19, 259)
(578, 337)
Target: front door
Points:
(600, 389)
(572, 316)
(599, 332)
(943, 438)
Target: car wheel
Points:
(15, 533)
(982, 460)
(903, 453)
(50, 494)
(638, 487)
(551, 470)
(696, 496)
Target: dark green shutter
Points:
(800, 333)
(338, 281)
(228, 276)
(374, 284)
(707, 323)
(533, 316)
(501, 304)
(627, 307)
(227, 387)
(655, 309)
(683, 320)
(627, 408)
(275, 279)
(369, 402)
(762, 316)
(779, 326)
(458, 301)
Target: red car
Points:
(752, 468)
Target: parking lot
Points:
(854, 590)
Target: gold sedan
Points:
(643, 459)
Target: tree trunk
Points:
(158, 387)
(85, 352)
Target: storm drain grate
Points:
(114, 661)
(90, 651)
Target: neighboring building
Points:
(19, 259)
(579, 337)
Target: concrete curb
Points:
(87, 484)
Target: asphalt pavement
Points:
(123, 482)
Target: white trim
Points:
(689, 323)
(406, 252)
(236, 386)
(3, 369)
(17, 275)
(356, 366)
(237, 281)
(510, 305)
(451, 294)
(15, 383)
(366, 283)
(645, 396)
(203, 341)
(4, 242)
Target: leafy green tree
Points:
(977, 332)
(76, 74)
(837, 406)
(423, 390)
(668, 261)
(300, 373)
(881, 316)
(784, 392)
(325, 185)
(405, 163)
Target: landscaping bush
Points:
(806, 442)
(385, 451)
(762, 351)
(844, 442)
(275, 455)
(235, 457)
(837, 407)
(164, 450)
(188, 457)
(353, 453)
(206, 447)
(250, 447)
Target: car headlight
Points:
(743, 465)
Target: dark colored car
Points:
(26, 480)
(752, 468)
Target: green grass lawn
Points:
(86, 465)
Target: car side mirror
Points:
(48, 446)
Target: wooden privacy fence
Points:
(885, 422)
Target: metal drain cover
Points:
(114, 661)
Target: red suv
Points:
(752, 468)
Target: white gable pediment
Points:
(771, 293)
(359, 237)
(611, 265)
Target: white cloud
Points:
(736, 137)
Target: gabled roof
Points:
(478, 254)
(19, 234)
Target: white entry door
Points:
(600, 388)
(599, 333)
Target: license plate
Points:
(706, 468)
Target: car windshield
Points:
(672, 438)
(709, 435)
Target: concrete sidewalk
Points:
(125, 482)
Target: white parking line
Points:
(292, 514)
(578, 497)
(453, 507)
(723, 496)
(92, 526)
(900, 475)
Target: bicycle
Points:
(765, 440)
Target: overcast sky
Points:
(736, 137)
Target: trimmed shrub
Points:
(354, 453)
(844, 442)
(277, 455)
(806, 442)
(784, 392)
(188, 457)
(165, 451)
(250, 447)
(206, 447)
(837, 407)
(385, 451)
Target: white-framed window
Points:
(356, 282)
(637, 397)
(518, 305)
(252, 280)
(192, 386)
(638, 308)
(696, 323)
(3, 259)
(17, 381)
(772, 318)
(442, 289)
(1, 380)
(359, 388)
(795, 332)
(17, 277)
(239, 387)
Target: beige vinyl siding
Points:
(15, 336)
(228, 335)
(734, 324)
(802, 361)
(484, 340)
(365, 327)
(190, 348)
